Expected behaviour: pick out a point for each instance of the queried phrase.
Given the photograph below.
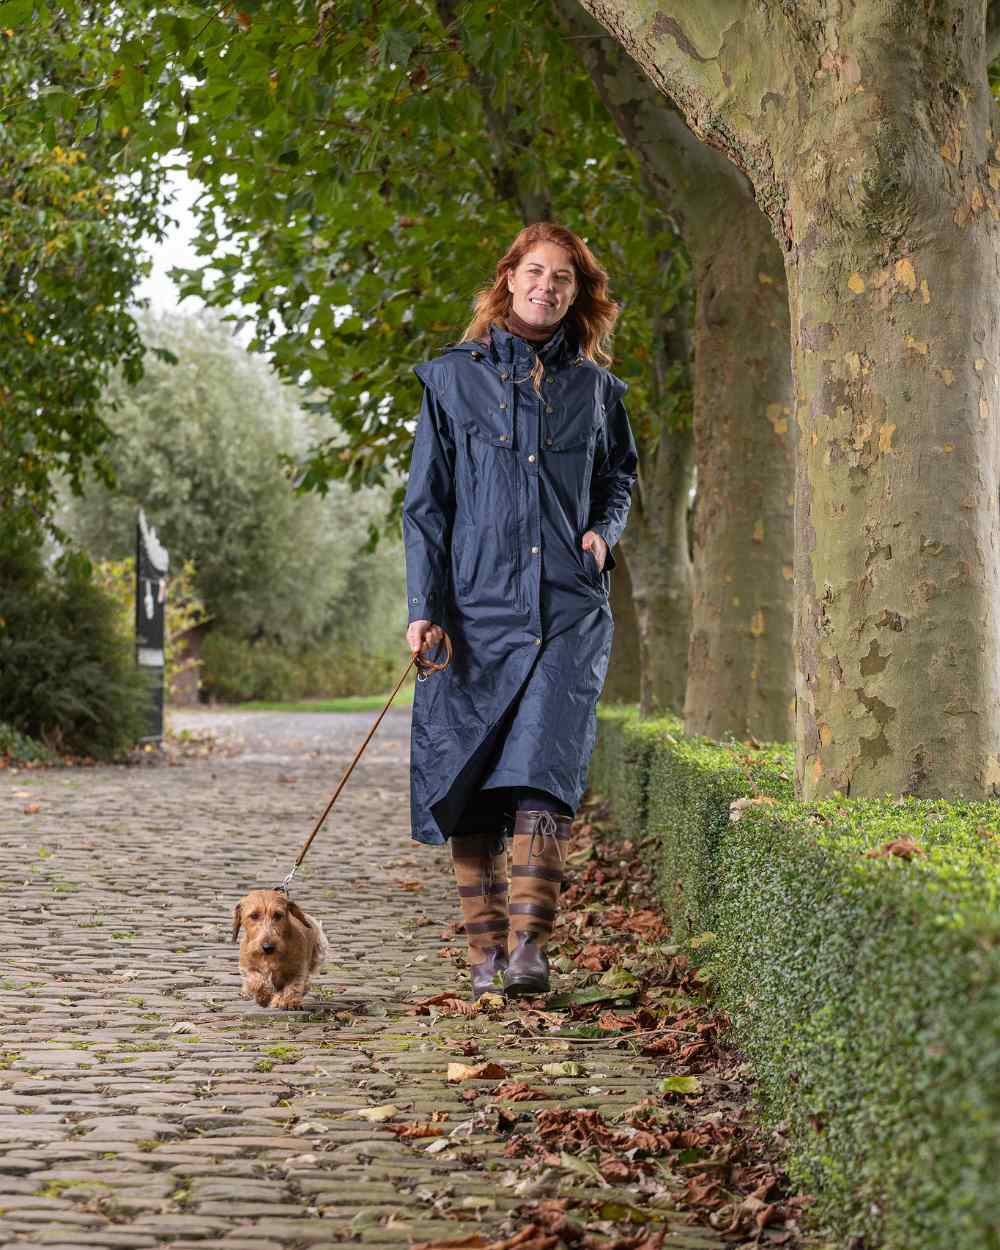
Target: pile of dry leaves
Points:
(694, 1147)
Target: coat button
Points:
(538, 642)
(503, 403)
(548, 442)
(548, 407)
(534, 551)
(503, 377)
(503, 438)
(531, 458)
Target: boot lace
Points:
(546, 826)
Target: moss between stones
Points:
(864, 990)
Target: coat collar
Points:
(506, 348)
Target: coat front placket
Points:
(526, 432)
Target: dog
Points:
(281, 948)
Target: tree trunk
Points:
(740, 663)
(740, 672)
(622, 684)
(656, 545)
(896, 352)
(871, 137)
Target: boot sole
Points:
(525, 985)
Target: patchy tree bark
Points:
(871, 139)
(656, 537)
(740, 676)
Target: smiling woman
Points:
(519, 486)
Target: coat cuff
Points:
(424, 608)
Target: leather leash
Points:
(425, 666)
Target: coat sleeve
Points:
(615, 466)
(428, 512)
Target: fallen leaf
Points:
(183, 1026)
(518, 1091)
(476, 1072)
(900, 848)
(31, 808)
(568, 1067)
(423, 1129)
(375, 1115)
(680, 1085)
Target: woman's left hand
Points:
(595, 543)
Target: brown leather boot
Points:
(480, 861)
(539, 853)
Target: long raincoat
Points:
(503, 485)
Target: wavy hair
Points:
(592, 315)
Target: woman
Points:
(520, 484)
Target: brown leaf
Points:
(423, 1129)
(29, 809)
(476, 1072)
(518, 1091)
(900, 848)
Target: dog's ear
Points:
(237, 921)
(295, 910)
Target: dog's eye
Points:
(279, 915)
(255, 915)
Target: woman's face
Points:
(543, 284)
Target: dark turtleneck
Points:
(536, 335)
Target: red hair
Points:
(592, 315)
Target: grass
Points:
(347, 703)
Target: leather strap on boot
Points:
(480, 862)
(540, 840)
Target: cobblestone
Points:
(143, 1103)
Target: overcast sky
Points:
(176, 249)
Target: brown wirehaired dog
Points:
(281, 947)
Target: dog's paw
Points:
(288, 1002)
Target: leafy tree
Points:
(199, 445)
(74, 205)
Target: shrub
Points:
(67, 674)
(235, 671)
(856, 946)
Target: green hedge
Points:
(234, 670)
(864, 990)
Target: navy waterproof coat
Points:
(503, 485)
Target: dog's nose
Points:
(267, 947)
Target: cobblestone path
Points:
(143, 1103)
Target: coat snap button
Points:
(503, 377)
(538, 642)
(548, 442)
(531, 458)
(534, 551)
(503, 438)
(503, 403)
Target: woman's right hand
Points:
(423, 636)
